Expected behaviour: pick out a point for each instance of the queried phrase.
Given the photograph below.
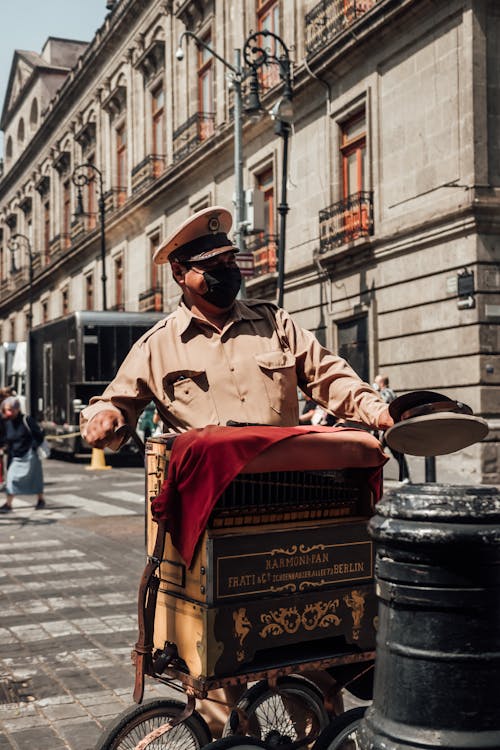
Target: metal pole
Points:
(30, 314)
(283, 210)
(430, 468)
(239, 196)
(102, 215)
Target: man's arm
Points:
(102, 423)
(331, 382)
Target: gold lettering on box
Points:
(295, 568)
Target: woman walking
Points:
(22, 436)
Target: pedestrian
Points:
(388, 395)
(4, 393)
(22, 437)
(217, 359)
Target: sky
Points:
(26, 24)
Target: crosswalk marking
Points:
(95, 507)
(125, 495)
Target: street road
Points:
(68, 585)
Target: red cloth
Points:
(205, 461)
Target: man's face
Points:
(189, 276)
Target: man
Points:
(217, 359)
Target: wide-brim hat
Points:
(203, 235)
(431, 424)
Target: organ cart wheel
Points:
(135, 723)
(342, 732)
(292, 711)
(241, 743)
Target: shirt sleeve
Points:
(328, 379)
(128, 393)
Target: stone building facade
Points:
(392, 241)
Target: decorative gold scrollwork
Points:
(289, 620)
(356, 603)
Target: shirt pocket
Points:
(280, 380)
(189, 398)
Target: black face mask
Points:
(223, 284)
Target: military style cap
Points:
(431, 424)
(203, 235)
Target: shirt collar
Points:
(239, 311)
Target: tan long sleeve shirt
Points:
(248, 372)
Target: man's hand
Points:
(385, 420)
(102, 429)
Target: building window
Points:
(206, 106)
(34, 114)
(8, 148)
(46, 231)
(121, 163)
(89, 291)
(268, 19)
(12, 324)
(45, 311)
(154, 243)
(65, 300)
(158, 124)
(20, 132)
(66, 215)
(356, 210)
(264, 246)
(353, 154)
(352, 344)
(119, 283)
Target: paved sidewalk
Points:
(67, 624)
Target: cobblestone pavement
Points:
(68, 587)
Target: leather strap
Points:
(146, 607)
(434, 408)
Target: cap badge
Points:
(213, 224)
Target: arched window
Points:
(20, 131)
(34, 114)
(8, 148)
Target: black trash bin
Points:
(437, 673)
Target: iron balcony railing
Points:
(264, 248)
(148, 170)
(346, 220)
(329, 18)
(191, 133)
(151, 300)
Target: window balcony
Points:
(346, 221)
(59, 244)
(190, 134)
(114, 199)
(148, 170)
(329, 18)
(151, 300)
(264, 249)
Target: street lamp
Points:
(17, 242)
(237, 77)
(257, 55)
(81, 177)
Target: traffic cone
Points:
(97, 461)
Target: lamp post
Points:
(237, 77)
(17, 242)
(257, 55)
(81, 177)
